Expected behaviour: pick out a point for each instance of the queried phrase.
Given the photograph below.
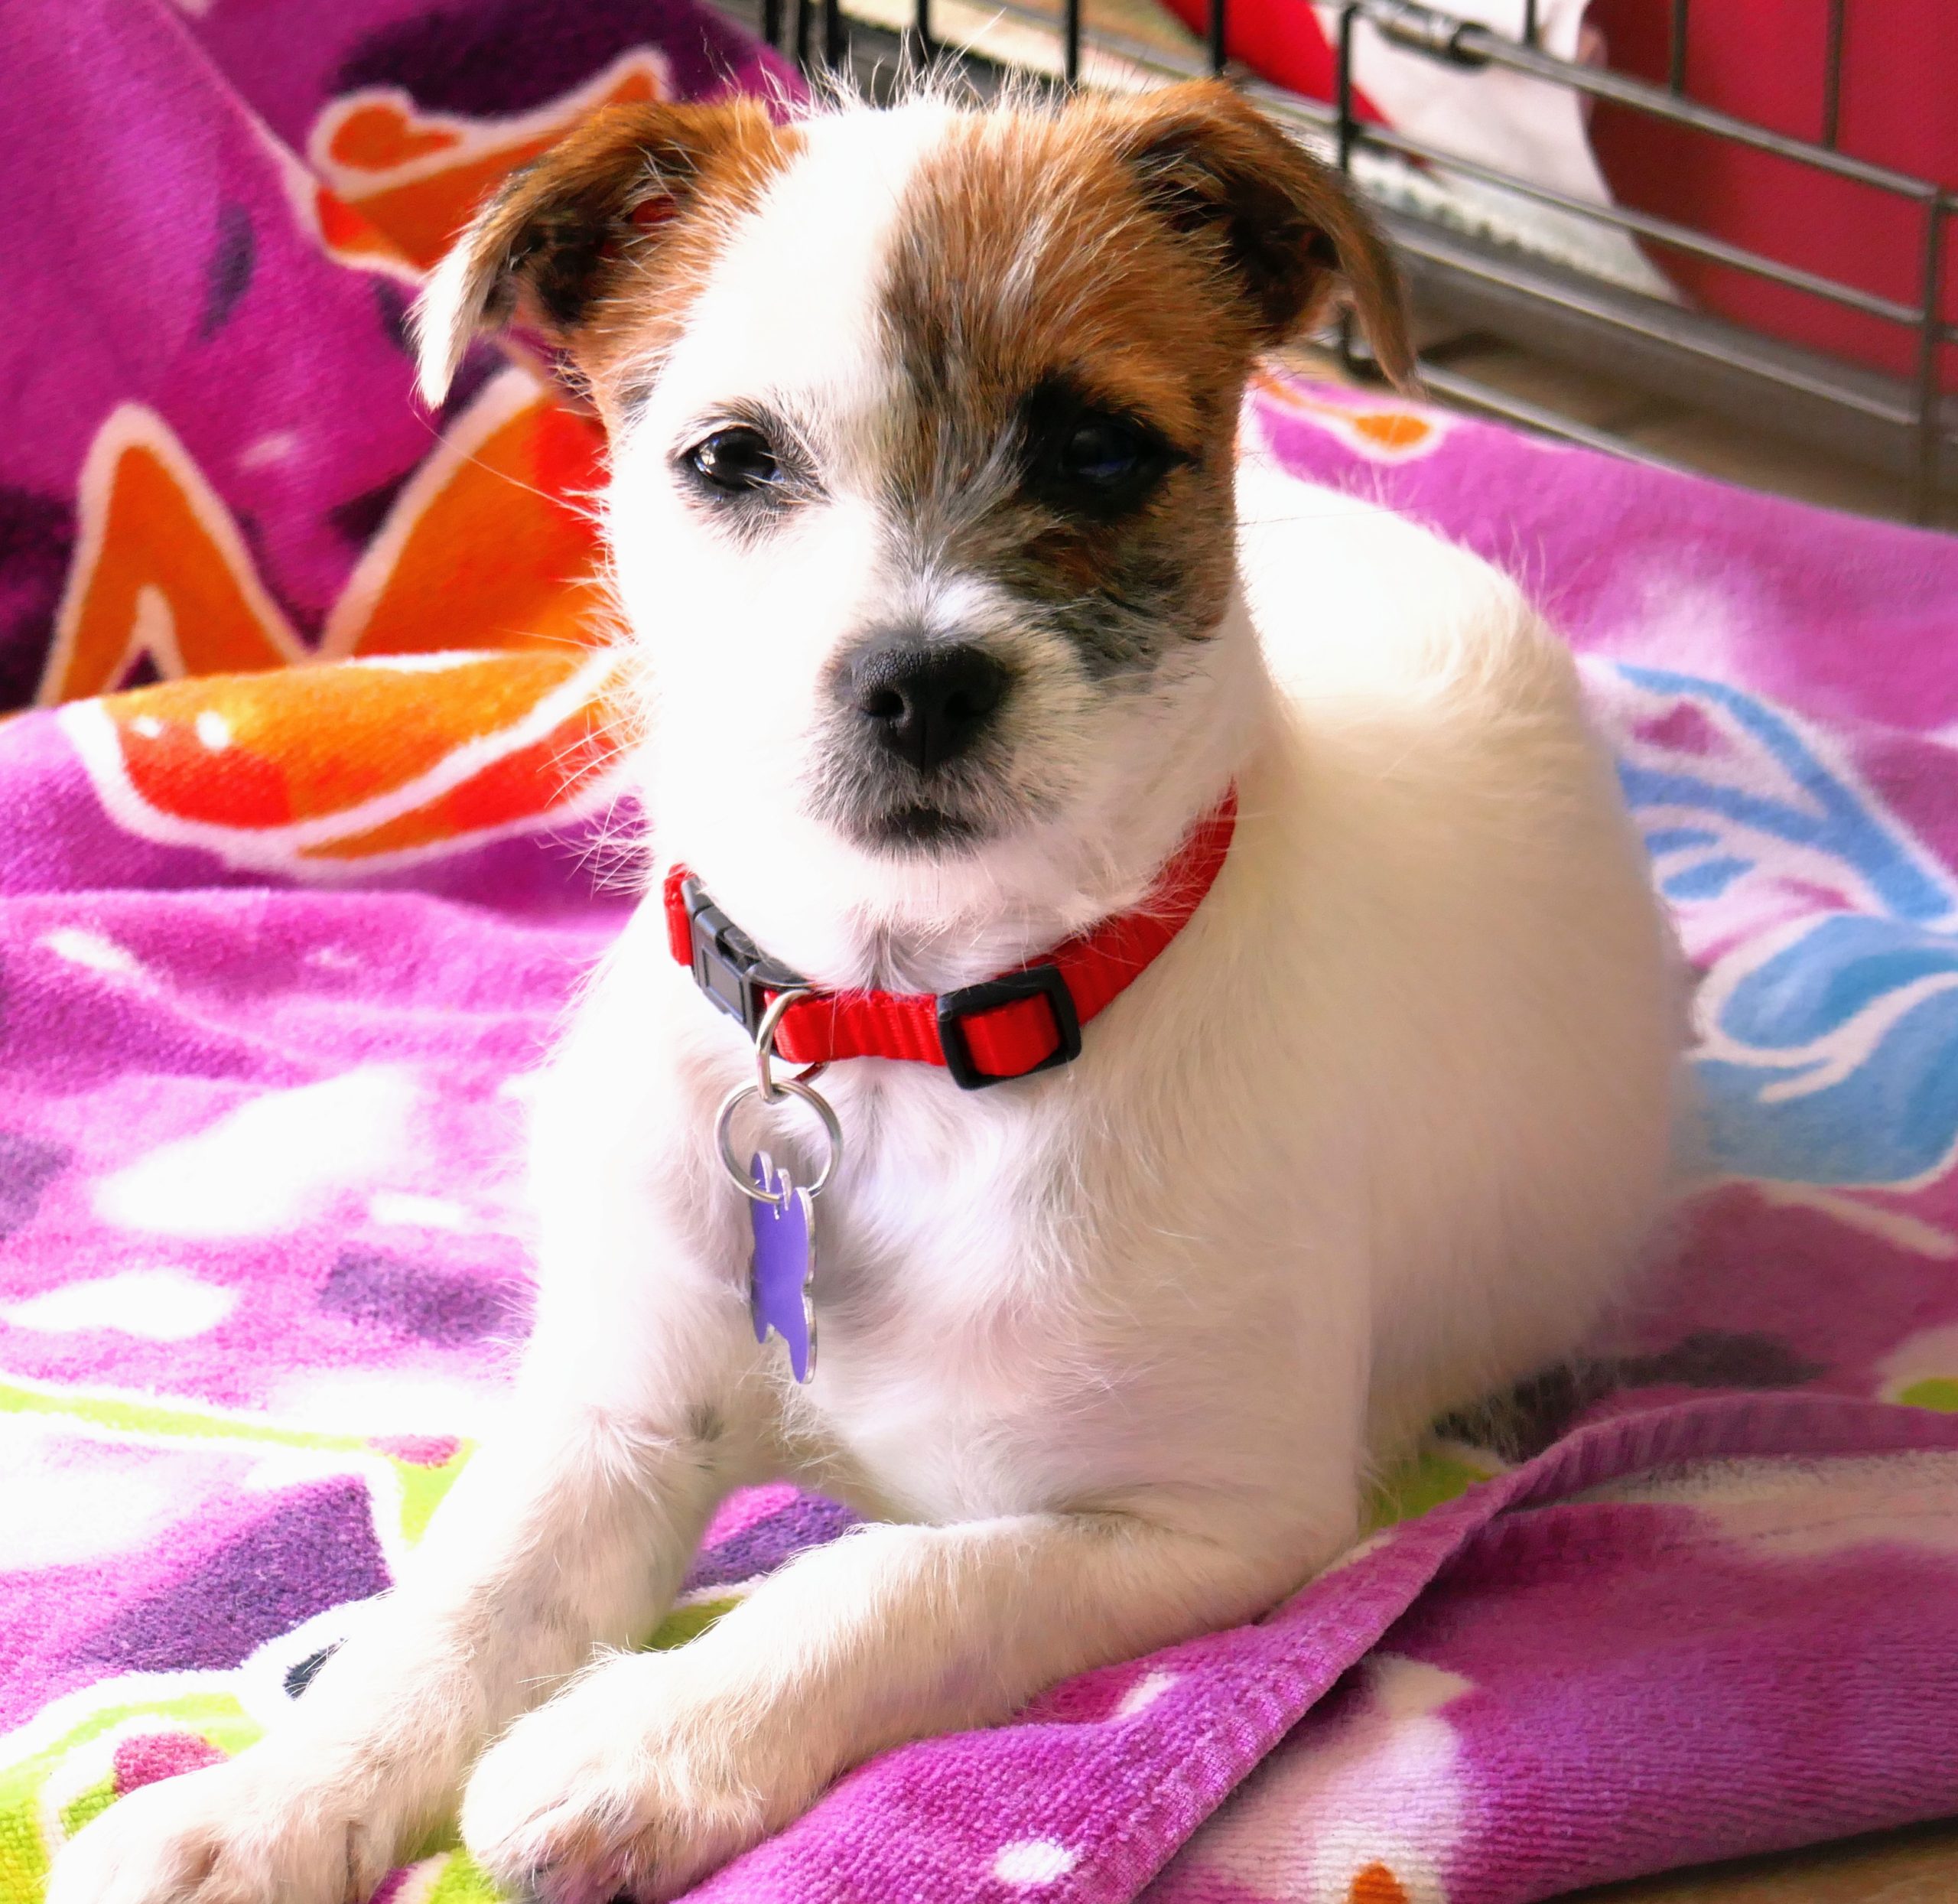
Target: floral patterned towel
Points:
(278, 947)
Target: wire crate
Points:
(1462, 278)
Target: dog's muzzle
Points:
(927, 703)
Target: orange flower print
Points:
(159, 571)
(362, 763)
(396, 183)
(422, 737)
(1382, 430)
(1375, 1883)
(490, 544)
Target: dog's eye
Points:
(1097, 462)
(1102, 452)
(737, 460)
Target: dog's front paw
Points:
(632, 1782)
(228, 1834)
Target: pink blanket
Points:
(276, 951)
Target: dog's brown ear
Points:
(1288, 227)
(547, 245)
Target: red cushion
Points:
(1763, 61)
(1278, 40)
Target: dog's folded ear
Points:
(1284, 225)
(561, 232)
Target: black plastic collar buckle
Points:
(1036, 981)
(733, 970)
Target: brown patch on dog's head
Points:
(1280, 223)
(1110, 271)
(598, 244)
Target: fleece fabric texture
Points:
(278, 949)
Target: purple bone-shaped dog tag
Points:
(782, 1270)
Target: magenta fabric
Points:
(262, 1255)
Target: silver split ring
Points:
(764, 1045)
(724, 1120)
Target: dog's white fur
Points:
(1105, 1354)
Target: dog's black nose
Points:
(928, 705)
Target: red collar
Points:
(1010, 1026)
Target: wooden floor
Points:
(1694, 439)
(1916, 1867)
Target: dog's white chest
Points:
(943, 1318)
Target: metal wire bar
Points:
(921, 27)
(1925, 485)
(1422, 29)
(1070, 42)
(1646, 225)
(832, 33)
(1650, 321)
(1218, 52)
(1139, 53)
(1529, 22)
(772, 23)
(1535, 416)
(1676, 49)
(1485, 47)
(1349, 128)
(1832, 75)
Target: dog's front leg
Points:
(571, 1531)
(655, 1768)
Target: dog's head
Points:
(923, 426)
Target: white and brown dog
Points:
(971, 656)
